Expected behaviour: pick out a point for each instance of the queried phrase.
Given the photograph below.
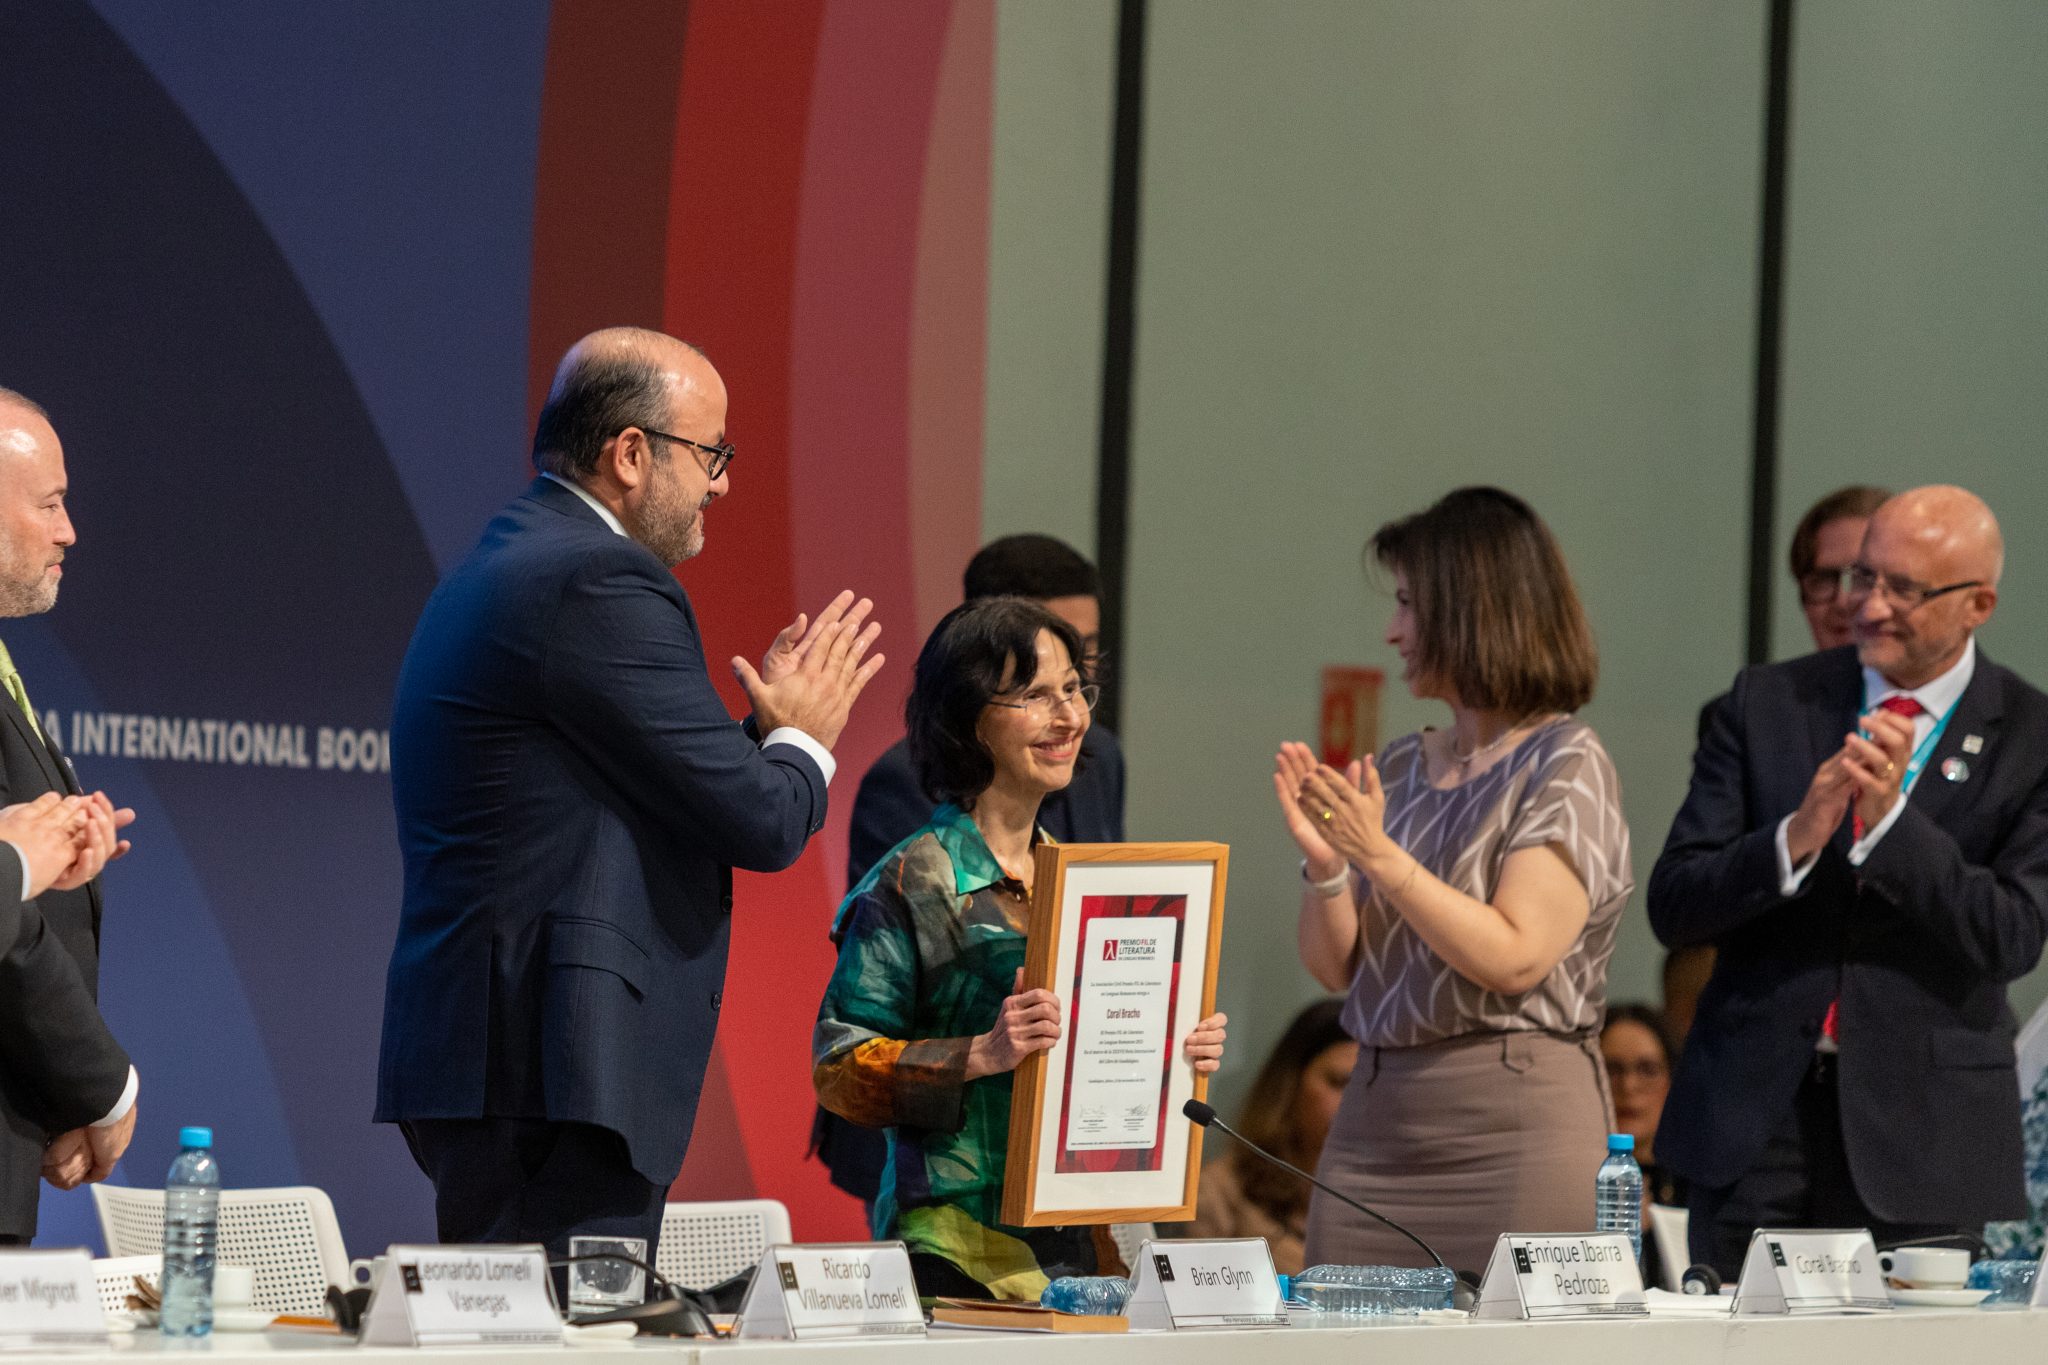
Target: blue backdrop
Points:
(268, 267)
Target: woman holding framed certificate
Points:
(1465, 889)
(922, 1022)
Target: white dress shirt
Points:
(781, 734)
(1936, 699)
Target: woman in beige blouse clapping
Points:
(1464, 891)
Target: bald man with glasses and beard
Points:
(1866, 843)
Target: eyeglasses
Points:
(721, 455)
(1646, 1071)
(1825, 585)
(1041, 702)
(1861, 581)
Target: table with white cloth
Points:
(1904, 1334)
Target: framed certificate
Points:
(1127, 936)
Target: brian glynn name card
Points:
(1205, 1284)
(462, 1296)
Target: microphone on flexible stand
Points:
(1205, 1117)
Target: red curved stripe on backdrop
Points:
(600, 254)
(824, 238)
(949, 323)
(600, 219)
(748, 78)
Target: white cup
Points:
(234, 1286)
(363, 1273)
(1925, 1267)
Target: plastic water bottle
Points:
(1618, 1192)
(1100, 1295)
(1373, 1290)
(191, 1216)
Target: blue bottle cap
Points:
(1621, 1142)
(195, 1137)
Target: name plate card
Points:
(849, 1289)
(1562, 1275)
(457, 1295)
(49, 1298)
(1184, 1284)
(1811, 1272)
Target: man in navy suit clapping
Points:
(572, 796)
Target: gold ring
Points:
(1328, 815)
(1888, 767)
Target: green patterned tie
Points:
(10, 677)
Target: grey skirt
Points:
(1461, 1141)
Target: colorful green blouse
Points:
(930, 943)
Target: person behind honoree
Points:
(923, 1019)
(1465, 889)
(1866, 841)
(891, 803)
(1288, 1112)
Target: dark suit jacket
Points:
(891, 806)
(571, 797)
(59, 1066)
(1918, 944)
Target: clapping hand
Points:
(99, 841)
(814, 671)
(47, 831)
(1351, 806)
(1291, 767)
(1876, 765)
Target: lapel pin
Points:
(1955, 770)
(1973, 744)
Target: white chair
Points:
(704, 1243)
(288, 1236)
(115, 1276)
(1668, 1225)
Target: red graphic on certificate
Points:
(1120, 1049)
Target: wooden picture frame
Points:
(1080, 1149)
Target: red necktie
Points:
(1899, 704)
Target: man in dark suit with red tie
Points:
(1866, 842)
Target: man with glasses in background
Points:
(1824, 546)
(1866, 842)
(572, 798)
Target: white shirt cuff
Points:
(22, 858)
(820, 755)
(124, 1104)
(1860, 850)
(1791, 878)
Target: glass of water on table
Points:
(600, 1286)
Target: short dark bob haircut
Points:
(981, 650)
(1497, 619)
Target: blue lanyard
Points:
(1925, 750)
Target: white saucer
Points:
(1940, 1298)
